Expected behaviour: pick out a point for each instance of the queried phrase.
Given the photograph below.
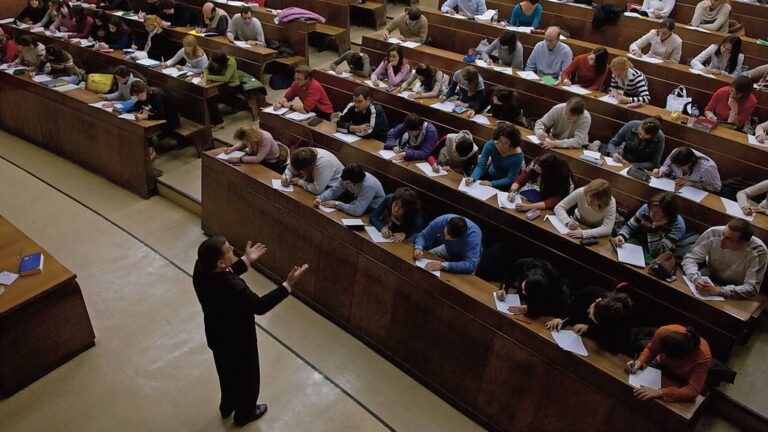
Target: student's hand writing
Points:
(461, 104)
(329, 203)
(512, 194)
(489, 62)
(451, 12)
(647, 393)
(566, 82)
(285, 181)
(518, 310)
(398, 237)
(576, 234)
(417, 253)
(572, 225)
(433, 266)
(316, 202)
(633, 366)
(623, 99)
(484, 183)
(471, 113)
(617, 157)
(468, 181)
(397, 150)
(253, 252)
(636, 52)
(710, 115)
(386, 233)
(711, 290)
(435, 168)
(656, 173)
(294, 181)
(580, 328)
(501, 294)
(761, 138)
(398, 157)
(619, 240)
(235, 160)
(296, 273)
(414, 95)
(683, 182)
(541, 135)
(251, 42)
(548, 143)
(747, 210)
(554, 324)
(163, 65)
(441, 99)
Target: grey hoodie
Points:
(448, 155)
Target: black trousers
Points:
(239, 379)
(227, 95)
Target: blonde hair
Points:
(249, 134)
(621, 64)
(190, 40)
(599, 189)
(155, 21)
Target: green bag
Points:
(250, 83)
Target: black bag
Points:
(639, 174)
(279, 81)
(606, 14)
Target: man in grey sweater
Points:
(312, 169)
(550, 56)
(734, 258)
(566, 125)
(363, 191)
(245, 27)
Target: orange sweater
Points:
(585, 73)
(694, 368)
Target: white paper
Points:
(387, 154)
(477, 190)
(393, 40)
(457, 16)
(327, 209)
(570, 341)
(100, 105)
(509, 301)
(692, 193)
(610, 162)
(41, 78)
(663, 183)
(732, 208)
(196, 80)
(696, 292)
(703, 30)
(444, 106)
(148, 62)
(5, 66)
(23, 25)
(225, 156)
(533, 139)
(646, 58)
(7, 20)
(521, 29)
(576, 89)
(376, 235)
(353, 222)
(481, 119)
(66, 87)
(127, 116)
(272, 110)
(427, 168)
(172, 71)
(631, 14)
(85, 43)
(410, 44)
(501, 199)
(559, 226)
(405, 94)
(297, 116)
(751, 139)
(278, 185)
(370, 84)
(347, 137)
(37, 30)
(421, 262)
(625, 172)
(7, 278)
(592, 154)
(487, 16)
(698, 72)
(481, 63)
(242, 44)
(649, 377)
(631, 254)
(530, 75)
(610, 99)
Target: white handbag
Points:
(677, 99)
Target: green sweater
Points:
(229, 76)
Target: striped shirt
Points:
(635, 87)
(660, 239)
(704, 174)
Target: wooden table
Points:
(44, 322)
(445, 332)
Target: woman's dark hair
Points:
(679, 345)
(509, 107)
(508, 38)
(555, 177)
(303, 158)
(78, 13)
(742, 86)
(733, 60)
(40, 4)
(538, 290)
(399, 50)
(667, 23)
(55, 53)
(27, 41)
(601, 60)
(118, 23)
(409, 200)
(684, 156)
(138, 86)
(63, 4)
(413, 122)
(427, 74)
(355, 61)
(218, 63)
(613, 310)
(667, 203)
(210, 252)
(651, 125)
(103, 17)
(510, 132)
(123, 71)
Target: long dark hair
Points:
(399, 51)
(555, 177)
(427, 74)
(410, 202)
(509, 107)
(601, 60)
(733, 60)
(218, 63)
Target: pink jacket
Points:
(294, 13)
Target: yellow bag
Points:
(99, 83)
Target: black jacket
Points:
(615, 337)
(181, 16)
(229, 306)
(160, 107)
(373, 115)
(161, 48)
(553, 301)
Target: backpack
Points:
(279, 81)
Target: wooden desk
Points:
(93, 138)
(445, 332)
(44, 322)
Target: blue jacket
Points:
(464, 252)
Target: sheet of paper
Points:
(393, 40)
(751, 139)
(100, 105)
(66, 87)
(7, 20)
(487, 15)
(521, 29)
(699, 29)
(509, 301)
(692, 287)
(559, 226)
(610, 99)
(444, 106)
(172, 71)
(405, 94)
(483, 120)
(592, 154)
(5, 66)
(692, 193)
(732, 208)
(196, 80)
(148, 62)
(23, 25)
(530, 75)
(631, 14)
(481, 63)
(501, 198)
(506, 70)
(648, 377)
(327, 209)
(127, 116)
(610, 162)
(376, 235)
(631, 254)
(645, 58)
(387, 154)
(427, 168)
(242, 44)
(457, 16)
(698, 72)
(533, 139)
(421, 262)
(410, 44)
(297, 116)
(353, 222)
(272, 110)
(625, 172)
(37, 30)
(278, 184)
(7, 278)
(477, 190)
(347, 137)
(663, 183)
(576, 89)
(225, 156)
(41, 78)
(370, 84)
(570, 341)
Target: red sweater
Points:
(694, 368)
(312, 95)
(585, 73)
(522, 179)
(719, 106)
(10, 51)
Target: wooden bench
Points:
(335, 30)
(339, 36)
(371, 12)
(195, 134)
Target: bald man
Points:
(215, 19)
(550, 56)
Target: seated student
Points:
(566, 125)
(176, 14)
(727, 260)
(712, 15)
(723, 59)
(411, 25)
(153, 104)
(628, 85)
(154, 44)
(58, 63)
(259, 147)
(394, 69)
(364, 117)
(362, 190)
(595, 208)
(215, 20)
(527, 13)
(733, 103)
(587, 70)
(194, 57)
(539, 285)
(50, 15)
(461, 248)
(640, 143)
(306, 95)
(679, 351)
(750, 207)
(81, 28)
(432, 82)
(468, 8)
(665, 44)
(657, 225)
(501, 159)
(470, 86)
(413, 139)
(245, 27)
(124, 78)
(152, 7)
(601, 315)
(505, 50)
(550, 56)
(64, 21)
(457, 152)
(759, 76)
(656, 8)
(761, 132)
(33, 13)
(99, 27)
(501, 103)
(398, 217)
(117, 35)
(9, 51)
(359, 63)
(124, 5)
(30, 51)
(222, 68)
(549, 176)
(312, 169)
(690, 168)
